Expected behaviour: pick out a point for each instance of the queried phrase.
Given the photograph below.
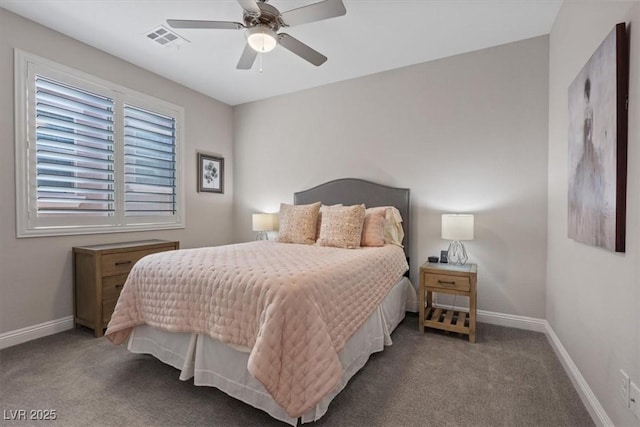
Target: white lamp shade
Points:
(457, 227)
(264, 222)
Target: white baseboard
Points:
(597, 412)
(503, 319)
(512, 321)
(19, 336)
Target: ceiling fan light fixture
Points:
(262, 38)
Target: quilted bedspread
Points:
(294, 306)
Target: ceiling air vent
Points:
(166, 37)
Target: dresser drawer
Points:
(112, 286)
(447, 282)
(122, 262)
(108, 305)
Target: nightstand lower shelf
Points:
(447, 320)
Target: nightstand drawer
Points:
(112, 285)
(447, 282)
(121, 263)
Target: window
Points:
(150, 163)
(73, 161)
(91, 156)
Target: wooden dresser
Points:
(99, 275)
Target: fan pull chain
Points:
(260, 55)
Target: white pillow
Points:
(393, 232)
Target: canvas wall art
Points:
(598, 146)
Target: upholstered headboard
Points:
(352, 191)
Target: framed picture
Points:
(210, 173)
(598, 146)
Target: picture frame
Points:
(210, 173)
(597, 175)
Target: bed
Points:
(288, 332)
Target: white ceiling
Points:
(374, 36)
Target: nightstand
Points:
(448, 279)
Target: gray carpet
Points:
(509, 377)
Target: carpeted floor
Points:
(509, 377)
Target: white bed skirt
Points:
(212, 363)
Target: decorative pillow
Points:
(373, 228)
(342, 226)
(298, 223)
(393, 231)
(322, 208)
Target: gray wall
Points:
(466, 134)
(35, 273)
(593, 295)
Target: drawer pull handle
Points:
(118, 264)
(444, 282)
(119, 286)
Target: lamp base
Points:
(262, 235)
(457, 254)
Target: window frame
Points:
(26, 66)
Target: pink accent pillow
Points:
(342, 226)
(298, 223)
(373, 227)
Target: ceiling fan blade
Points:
(301, 49)
(250, 6)
(314, 12)
(247, 59)
(220, 25)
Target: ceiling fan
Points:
(262, 22)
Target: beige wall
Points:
(465, 134)
(593, 295)
(35, 273)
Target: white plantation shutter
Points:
(74, 151)
(93, 156)
(150, 163)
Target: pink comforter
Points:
(294, 306)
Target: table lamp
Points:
(457, 227)
(262, 223)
